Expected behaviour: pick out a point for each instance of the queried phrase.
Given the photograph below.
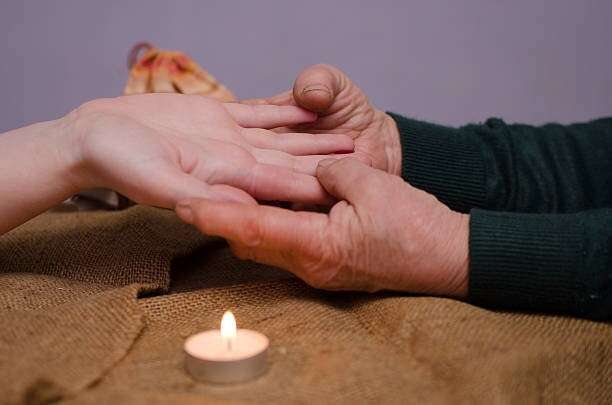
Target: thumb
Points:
(316, 87)
(348, 179)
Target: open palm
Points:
(160, 148)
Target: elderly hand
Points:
(343, 108)
(158, 149)
(383, 234)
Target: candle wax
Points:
(210, 358)
(210, 345)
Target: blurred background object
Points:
(444, 60)
(154, 70)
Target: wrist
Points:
(458, 256)
(68, 134)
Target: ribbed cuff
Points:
(443, 161)
(526, 261)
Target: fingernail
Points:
(316, 87)
(184, 211)
(326, 162)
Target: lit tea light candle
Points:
(228, 354)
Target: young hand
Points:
(158, 149)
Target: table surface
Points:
(96, 308)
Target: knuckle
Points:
(252, 232)
(251, 185)
(240, 251)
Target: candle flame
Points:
(228, 325)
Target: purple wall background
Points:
(444, 60)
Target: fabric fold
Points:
(69, 288)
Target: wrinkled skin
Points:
(382, 234)
(160, 148)
(343, 108)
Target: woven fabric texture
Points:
(95, 308)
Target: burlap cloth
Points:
(94, 308)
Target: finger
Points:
(299, 143)
(268, 116)
(239, 168)
(176, 186)
(284, 98)
(274, 183)
(348, 179)
(225, 193)
(256, 226)
(316, 87)
(169, 185)
(301, 164)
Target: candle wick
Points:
(229, 344)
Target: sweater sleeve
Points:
(558, 263)
(540, 200)
(517, 168)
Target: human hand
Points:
(344, 109)
(383, 234)
(158, 149)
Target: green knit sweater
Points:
(540, 200)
